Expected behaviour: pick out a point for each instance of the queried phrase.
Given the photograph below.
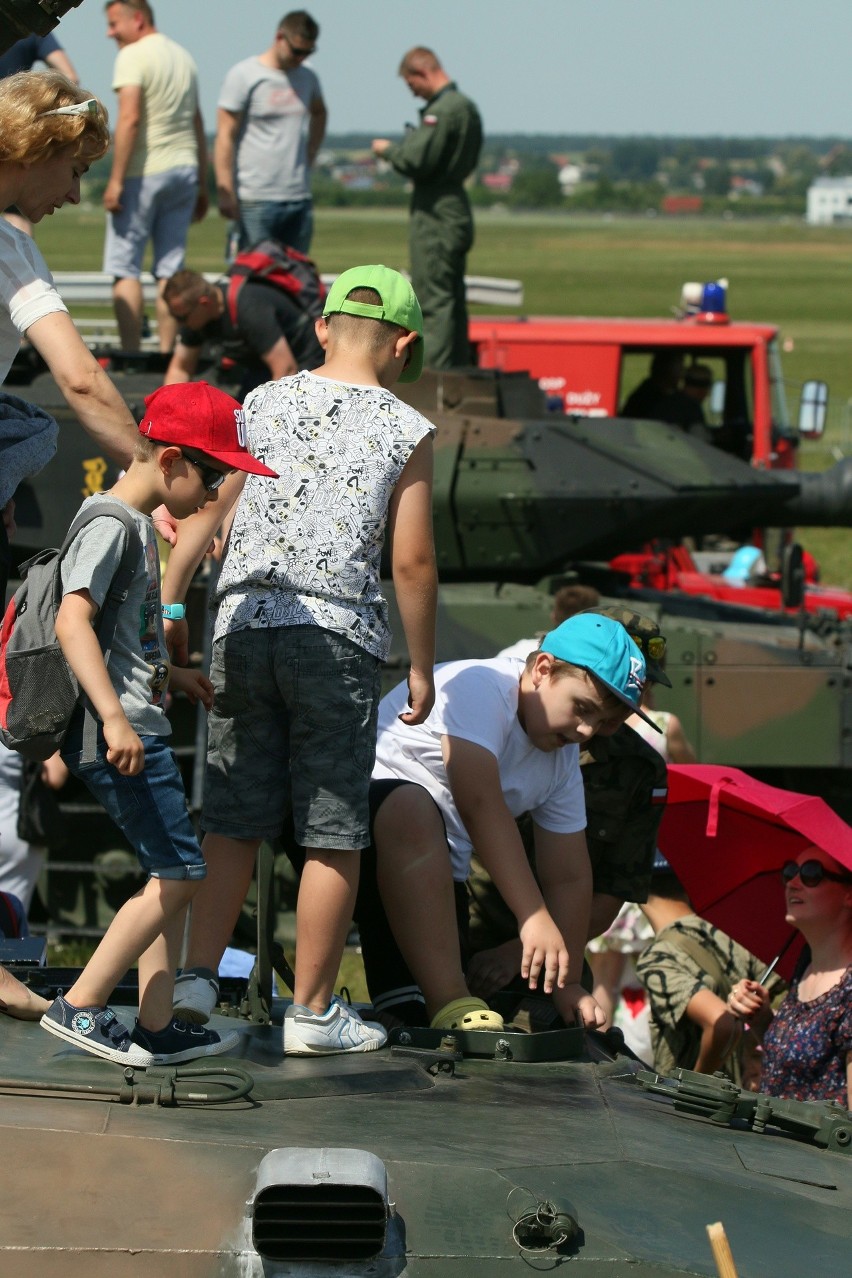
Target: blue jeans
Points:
(150, 808)
(289, 221)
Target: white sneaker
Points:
(196, 995)
(340, 1029)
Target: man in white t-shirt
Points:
(502, 739)
(269, 127)
(157, 186)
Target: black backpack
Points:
(270, 262)
(38, 690)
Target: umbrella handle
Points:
(712, 828)
(778, 957)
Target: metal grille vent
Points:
(322, 1222)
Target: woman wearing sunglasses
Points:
(50, 132)
(807, 1044)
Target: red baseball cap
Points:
(201, 416)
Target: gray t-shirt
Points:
(139, 663)
(271, 161)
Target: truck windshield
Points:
(778, 398)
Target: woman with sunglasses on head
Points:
(50, 132)
(807, 1043)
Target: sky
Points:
(631, 67)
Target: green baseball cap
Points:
(399, 305)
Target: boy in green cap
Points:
(300, 635)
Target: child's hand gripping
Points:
(124, 749)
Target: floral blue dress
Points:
(804, 1049)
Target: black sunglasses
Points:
(296, 50)
(211, 478)
(811, 873)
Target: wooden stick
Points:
(721, 1251)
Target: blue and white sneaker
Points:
(196, 995)
(181, 1041)
(339, 1029)
(96, 1030)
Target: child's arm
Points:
(194, 535)
(193, 684)
(82, 651)
(565, 874)
(415, 576)
(474, 780)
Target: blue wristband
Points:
(174, 612)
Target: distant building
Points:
(829, 201)
(570, 177)
(679, 204)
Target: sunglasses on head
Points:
(653, 646)
(211, 478)
(89, 107)
(811, 873)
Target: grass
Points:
(781, 272)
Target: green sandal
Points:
(467, 1014)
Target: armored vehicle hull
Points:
(483, 1155)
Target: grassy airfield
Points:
(786, 273)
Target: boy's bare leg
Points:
(323, 916)
(413, 867)
(217, 904)
(135, 927)
(157, 967)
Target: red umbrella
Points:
(726, 836)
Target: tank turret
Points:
(518, 499)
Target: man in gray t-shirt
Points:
(270, 124)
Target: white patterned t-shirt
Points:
(305, 549)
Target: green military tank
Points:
(525, 500)
(465, 1153)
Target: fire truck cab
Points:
(588, 368)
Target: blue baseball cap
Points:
(604, 648)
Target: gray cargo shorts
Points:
(293, 724)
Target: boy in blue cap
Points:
(503, 739)
(300, 635)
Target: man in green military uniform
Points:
(438, 156)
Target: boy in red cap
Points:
(191, 437)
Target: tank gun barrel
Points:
(824, 499)
(20, 18)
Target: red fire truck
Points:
(588, 367)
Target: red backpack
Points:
(273, 263)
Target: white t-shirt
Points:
(478, 702)
(305, 549)
(168, 78)
(27, 292)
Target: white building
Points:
(829, 201)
